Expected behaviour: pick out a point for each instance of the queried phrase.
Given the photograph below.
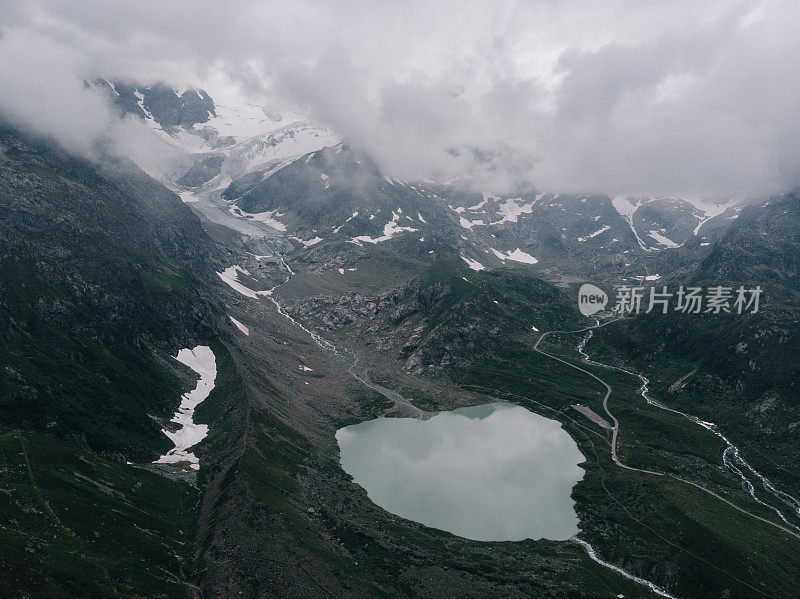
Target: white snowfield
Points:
(600, 231)
(289, 142)
(240, 326)
(231, 276)
(663, 240)
(473, 264)
(647, 278)
(508, 210)
(268, 218)
(511, 209)
(249, 138)
(244, 121)
(200, 359)
(389, 230)
(708, 210)
(188, 197)
(468, 224)
(309, 243)
(516, 255)
(240, 119)
(626, 207)
(704, 210)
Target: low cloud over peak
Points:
(615, 97)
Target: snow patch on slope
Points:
(200, 359)
(473, 264)
(188, 197)
(268, 218)
(309, 243)
(231, 276)
(663, 240)
(240, 326)
(626, 206)
(517, 256)
(389, 230)
(601, 230)
(709, 210)
(511, 209)
(468, 224)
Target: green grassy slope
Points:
(103, 274)
(75, 525)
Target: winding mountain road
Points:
(615, 429)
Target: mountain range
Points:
(330, 292)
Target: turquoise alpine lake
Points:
(495, 472)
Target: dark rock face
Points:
(671, 217)
(196, 106)
(322, 189)
(339, 194)
(102, 272)
(123, 97)
(161, 103)
(201, 172)
(439, 321)
(761, 247)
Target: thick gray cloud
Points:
(618, 96)
(42, 89)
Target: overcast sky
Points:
(689, 98)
